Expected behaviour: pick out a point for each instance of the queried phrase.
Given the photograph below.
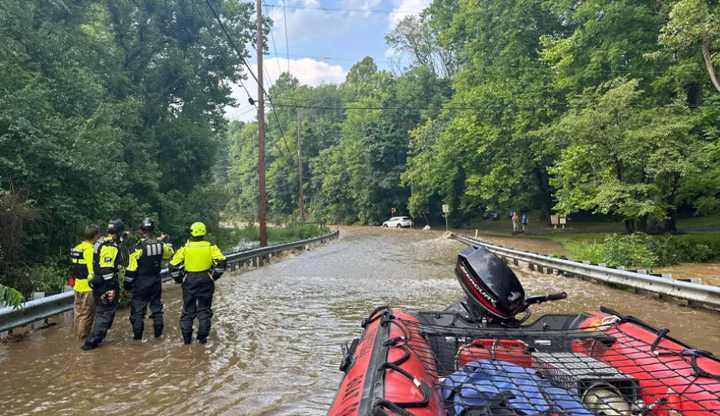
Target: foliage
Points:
(642, 250)
(616, 250)
(352, 158)
(693, 25)
(229, 237)
(620, 159)
(685, 248)
(47, 278)
(10, 297)
(111, 109)
(116, 109)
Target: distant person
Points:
(105, 283)
(515, 222)
(81, 272)
(197, 265)
(142, 279)
(524, 221)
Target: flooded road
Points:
(274, 347)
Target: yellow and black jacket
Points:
(199, 256)
(81, 257)
(106, 265)
(146, 262)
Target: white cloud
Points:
(307, 71)
(406, 8)
(307, 19)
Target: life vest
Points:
(150, 259)
(106, 265)
(198, 256)
(81, 269)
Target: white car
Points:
(398, 222)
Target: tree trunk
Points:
(641, 224)
(543, 183)
(709, 63)
(629, 226)
(670, 222)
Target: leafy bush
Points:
(616, 250)
(48, 278)
(641, 250)
(685, 248)
(10, 297)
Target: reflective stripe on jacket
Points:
(106, 265)
(146, 259)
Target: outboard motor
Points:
(492, 289)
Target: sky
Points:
(324, 39)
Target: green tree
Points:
(621, 158)
(695, 25)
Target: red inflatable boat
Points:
(471, 360)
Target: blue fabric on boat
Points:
(490, 382)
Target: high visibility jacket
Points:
(197, 256)
(147, 258)
(81, 257)
(106, 265)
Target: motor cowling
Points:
(492, 289)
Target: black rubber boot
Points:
(88, 346)
(202, 340)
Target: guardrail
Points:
(693, 294)
(44, 308)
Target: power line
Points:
(347, 10)
(380, 108)
(234, 47)
(287, 42)
(242, 58)
(274, 46)
(326, 58)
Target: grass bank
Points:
(603, 241)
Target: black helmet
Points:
(493, 291)
(115, 227)
(147, 225)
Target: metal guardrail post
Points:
(694, 294)
(41, 309)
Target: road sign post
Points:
(446, 210)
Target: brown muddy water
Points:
(274, 348)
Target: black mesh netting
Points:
(609, 367)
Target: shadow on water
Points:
(274, 348)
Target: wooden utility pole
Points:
(262, 196)
(301, 196)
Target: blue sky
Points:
(325, 38)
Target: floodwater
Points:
(274, 348)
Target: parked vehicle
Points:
(398, 222)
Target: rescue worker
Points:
(81, 272)
(197, 265)
(142, 279)
(105, 284)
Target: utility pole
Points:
(262, 196)
(301, 196)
